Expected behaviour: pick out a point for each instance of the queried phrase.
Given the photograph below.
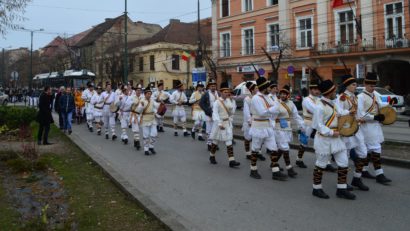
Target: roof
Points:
(179, 33)
(97, 31)
(59, 45)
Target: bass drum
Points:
(390, 115)
(347, 125)
(162, 109)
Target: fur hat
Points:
(199, 84)
(224, 87)
(285, 89)
(371, 78)
(250, 86)
(347, 80)
(211, 82)
(314, 83)
(178, 84)
(327, 87)
(148, 89)
(273, 84)
(262, 83)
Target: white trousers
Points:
(209, 124)
(125, 121)
(340, 157)
(149, 134)
(109, 120)
(269, 143)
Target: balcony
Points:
(361, 46)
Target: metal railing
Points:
(363, 45)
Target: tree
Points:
(10, 13)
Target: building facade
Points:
(333, 36)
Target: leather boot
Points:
(152, 151)
(343, 193)
(357, 182)
(193, 135)
(279, 176)
(367, 174)
(300, 164)
(382, 179)
(234, 164)
(320, 193)
(137, 144)
(261, 157)
(146, 153)
(200, 138)
(186, 134)
(212, 160)
(254, 174)
(175, 133)
(114, 137)
(125, 141)
(292, 173)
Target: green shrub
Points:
(19, 165)
(16, 117)
(42, 164)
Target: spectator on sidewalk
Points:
(57, 107)
(67, 108)
(44, 117)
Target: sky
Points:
(68, 17)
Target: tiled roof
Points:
(179, 33)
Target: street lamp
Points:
(31, 55)
(125, 77)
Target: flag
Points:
(185, 56)
(193, 54)
(337, 3)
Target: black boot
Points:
(90, 129)
(186, 134)
(200, 138)
(260, 157)
(330, 168)
(292, 173)
(212, 160)
(152, 151)
(125, 141)
(99, 133)
(349, 188)
(234, 164)
(209, 147)
(114, 137)
(343, 193)
(161, 129)
(357, 182)
(193, 135)
(175, 133)
(382, 179)
(255, 174)
(320, 193)
(300, 164)
(248, 157)
(106, 136)
(279, 176)
(137, 144)
(146, 153)
(367, 174)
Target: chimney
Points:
(172, 20)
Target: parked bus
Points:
(72, 78)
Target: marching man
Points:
(160, 96)
(283, 130)
(328, 142)
(97, 101)
(368, 110)
(124, 102)
(86, 96)
(206, 103)
(273, 91)
(178, 98)
(148, 109)
(261, 131)
(222, 114)
(198, 115)
(108, 116)
(135, 116)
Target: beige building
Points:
(160, 58)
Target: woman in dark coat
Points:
(44, 117)
(67, 107)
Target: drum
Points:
(162, 109)
(347, 125)
(114, 108)
(390, 115)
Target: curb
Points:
(386, 160)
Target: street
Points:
(180, 186)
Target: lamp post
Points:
(125, 77)
(31, 55)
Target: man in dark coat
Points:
(67, 107)
(44, 117)
(57, 107)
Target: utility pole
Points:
(125, 78)
(3, 79)
(198, 58)
(31, 56)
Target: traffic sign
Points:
(261, 71)
(291, 69)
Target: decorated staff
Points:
(261, 131)
(86, 96)
(198, 115)
(97, 101)
(178, 98)
(369, 110)
(148, 109)
(108, 115)
(206, 103)
(223, 110)
(328, 142)
(160, 96)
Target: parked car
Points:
(239, 94)
(4, 99)
(385, 96)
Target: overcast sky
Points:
(68, 17)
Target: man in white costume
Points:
(178, 99)
(160, 96)
(124, 102)
(198, 115)
(86, 96)
(97, 101)
(206, 103)
(135, 116)
(108, 116)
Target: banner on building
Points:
(198, 75)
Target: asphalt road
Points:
(399, 131)
(185, 191)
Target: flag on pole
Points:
(186, 56)
(337, 3)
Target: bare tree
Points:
(10, 13)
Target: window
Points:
(247, 41)
(273, 37)
(225, 45)
(141, 63)
(394, 20)
(131, 64)
(152, 62)
(175, 62)
(272, 2)
(305, 33)
(225, 5)
(247, 5)
(346, 27)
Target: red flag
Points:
(337, 3)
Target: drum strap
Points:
(145, 111)
(373, 104)
(287, 108)
(333, 116)
(224, 106)
(267, 105)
